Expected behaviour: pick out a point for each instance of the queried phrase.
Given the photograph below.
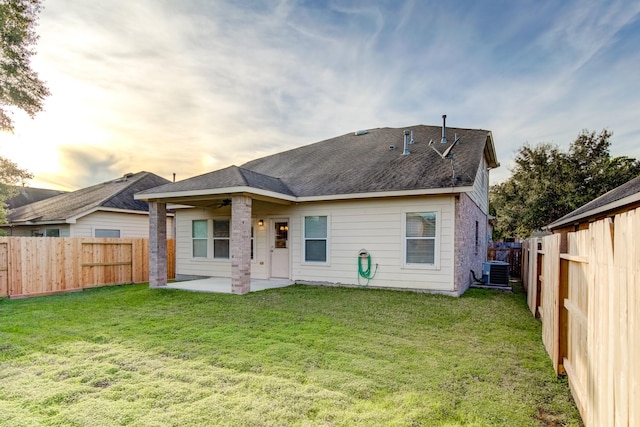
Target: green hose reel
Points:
(362, 272)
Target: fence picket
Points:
(31, 266)
(598, 336)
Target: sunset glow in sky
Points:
(191, 86)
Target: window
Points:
(477, 237)
(420, 238)
(103, 232)
(52, 232)
(315, 239)
(199, 234)
(221, 238)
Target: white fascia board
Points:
(73, 219)
(214, 192)
(271, 194)
(378, 194)
(36, 223)
(178, 206)
(608, 207)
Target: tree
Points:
(10, 176)
(19, 84)
(547, 184)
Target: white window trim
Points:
(213, 239)
(403, 236)
(303, 260)
(46, 230)
(108, 229)
(254, 227)
(193, 257)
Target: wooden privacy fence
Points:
(511, 254)
(34, 266)
(588, 300)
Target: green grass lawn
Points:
(308, 356)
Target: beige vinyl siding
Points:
(129, 224)
(28, 230)
(375, 225)
(480, 192)
(186, 264)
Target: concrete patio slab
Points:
(222, 285)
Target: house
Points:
(103, 210)
(27, 195)
(411, 201)
(621, 199)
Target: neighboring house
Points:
(103, 210)
(621, 199)
(27, 195)
(417, 208)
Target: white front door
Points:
(280, 248)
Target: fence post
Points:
(563, 324)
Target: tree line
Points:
(547, 183)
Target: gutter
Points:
(184, 195)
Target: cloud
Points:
(192, 86)
(84, 166)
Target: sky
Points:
(192, 86)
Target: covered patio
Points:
(232, 188)
(222, 285)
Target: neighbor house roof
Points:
(624, 195)
(364, 162)
(111, 195)
(28, 195)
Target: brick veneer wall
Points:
(240, 244)
(468, 255)
(157, 244)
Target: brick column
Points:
(240, 244)
(157, 244)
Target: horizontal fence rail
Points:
(588, 300)
(35, 266)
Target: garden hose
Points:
(366, 274)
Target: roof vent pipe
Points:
(406, 143)
(413, 141)
(444, 129)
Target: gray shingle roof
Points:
(117, 194)
(351, 164)
(601, 203)
(28, 195)
(233, 176)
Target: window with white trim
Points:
(420, 238)
(316, 246)
(52, 232)
(199, 237)
(104, 232)
(221, 238)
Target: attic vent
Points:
(124, 177)
(361, 132)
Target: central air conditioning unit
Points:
(495, 273)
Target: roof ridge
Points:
(245, 170)
(118, 180)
